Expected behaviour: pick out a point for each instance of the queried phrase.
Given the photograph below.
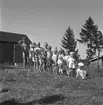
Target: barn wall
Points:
(8, 52)
(10, 55)
(18, 54)
(1, 53)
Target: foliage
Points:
(92, 37)
(68, 41)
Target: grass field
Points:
(33, 88)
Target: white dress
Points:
(60, 62)
(54, 57)
(82, 73)
(71, 62)
(59, 59)
(66, 57)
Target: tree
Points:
(90, 53)
(99, 43)
(68, 41)
(77, 55)
(92, 37)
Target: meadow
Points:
(23, 87)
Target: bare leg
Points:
(24, 61)
(69, 71)
(34, 65)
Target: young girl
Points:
(60, 61)
(71, 64)
(80, 71)
(54, 56)
(60, 64)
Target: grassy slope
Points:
(34, 88)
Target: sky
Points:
(47, 20)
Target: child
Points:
(60, 60)
(71, 64)
(54, 56)
(37, 51)
(60, 64)
(80, 71)
(43, 60)
(67, 56)
(49, 58)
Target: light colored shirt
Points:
(60, 61)
(54, 57)
(49, 54)
(66, 57)
(80, 72)
(71, 62)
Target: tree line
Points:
(90, 36)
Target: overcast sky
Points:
(47, 20)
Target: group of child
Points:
(72, 67)
(46, 58)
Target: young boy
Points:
(80, 71)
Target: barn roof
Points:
(12, 37)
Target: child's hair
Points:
(72, 54)
(80, 64)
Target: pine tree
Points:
(68, 41)
(77, 55)
(92, 37)
(89, 35)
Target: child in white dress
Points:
(80, 71)
(67, 56)
(71, 64)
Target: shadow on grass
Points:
(44, 101)
(4, 90)
(50, 99)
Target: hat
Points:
(80, 64)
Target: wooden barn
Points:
(10, 50)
